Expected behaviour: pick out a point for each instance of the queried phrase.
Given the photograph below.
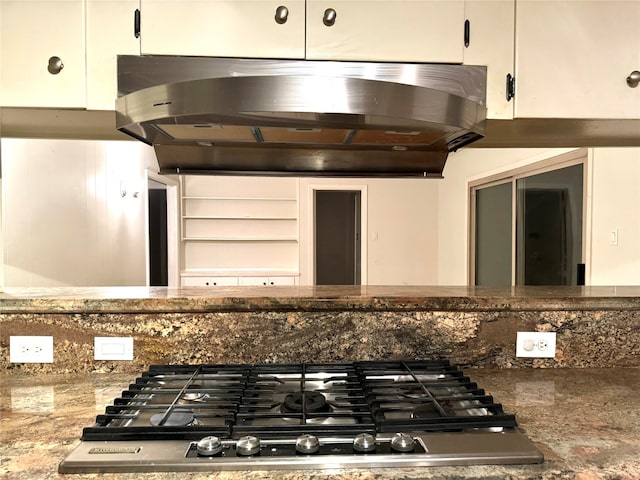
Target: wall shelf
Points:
(235, 223)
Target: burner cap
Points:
(313, 402)
(175, 419)
(425, 411)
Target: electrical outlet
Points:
(27, 349)
(536, 344)
(113, 348)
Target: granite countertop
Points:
(319, 298)
(585, 421)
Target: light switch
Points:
(613, 237)
(113, 348)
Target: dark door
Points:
(337, 237)
(158, 267)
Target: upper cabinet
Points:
(397, 31)
(227, 28)
(42, 61)
(489, 42)
(573, 58)
(110, 32)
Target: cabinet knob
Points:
(329, 17)
(282, 14)
(55, 65)
(633, 79)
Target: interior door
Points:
(158, 244)
(337, 237)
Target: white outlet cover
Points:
(113, 348)
(528, 344)
(30, 349)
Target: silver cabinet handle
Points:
(633, 79)
(329, 17)
(282, 14)
(55, 65)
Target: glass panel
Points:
(493, 235)
(549, 227)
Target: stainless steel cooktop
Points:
(297, 416)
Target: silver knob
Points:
(329, 17)
(402, 442)
(209, 446)
(633, 79)
(282, 14)
(55, 65)
(248, 445)
(364, 442)
(307, 444)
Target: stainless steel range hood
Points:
(291, 117)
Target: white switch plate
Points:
(536, 344)
(113, 348)
(30, 349)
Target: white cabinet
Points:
(227, 28)
(198, 281)
(374, 30)
(573, 58)
(36, 38)
(265, 281)
(110, 32)
(491, 31)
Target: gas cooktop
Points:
(294, 416)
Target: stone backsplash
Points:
(585, 338)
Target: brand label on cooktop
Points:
(108, 450)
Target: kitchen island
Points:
(580, 408)
(585, 421)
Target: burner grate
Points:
(427, 396)
(276, 400)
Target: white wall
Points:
(615, 206)
(65, 220)
(401, 238)
(614, 203)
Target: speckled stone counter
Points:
(586, 422)
(595, 326)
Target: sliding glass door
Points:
(549, 227)
(493, 235)
(527, 228)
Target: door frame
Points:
(172, 227)
(311, 226)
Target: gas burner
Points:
(306, 401)
(193, 397)
(173, 419)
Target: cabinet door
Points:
(573, 57)
(226, 28)
(209, 281)
(31, 33)
(110, 32)
(253, 281)
(491, 30)
(377, 30)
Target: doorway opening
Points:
(337, 237)
(158, 256)
(162, 246)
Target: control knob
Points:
(307, 444)
(403, 442)
(248, 445)
(364, 442)
(209, 446)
